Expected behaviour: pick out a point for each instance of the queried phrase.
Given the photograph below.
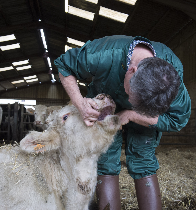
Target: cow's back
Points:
(30, 181)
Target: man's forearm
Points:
(128, 115)
(72, 89)
(143, 120)
(86, 106)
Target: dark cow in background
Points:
(15, 123)
(10, 122)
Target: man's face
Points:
(129, 74)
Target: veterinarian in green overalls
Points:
(145, 79)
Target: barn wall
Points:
(184, 46)
(48, 94)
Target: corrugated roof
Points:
(154, 19)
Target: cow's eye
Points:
(65, 117)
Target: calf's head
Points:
(40, 114)
(91, 139)
(69, 121)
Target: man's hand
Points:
(124, 116)
(129, 115)
(86, 106)
(88, 111)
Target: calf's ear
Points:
(30, 111)
(36, 142)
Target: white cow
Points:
(57, 169)
(49, 120)
(41, 113)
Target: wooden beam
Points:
(130, 18)
(33, 56)
(20, 58)
(25, 87)
(26, 75)
(188, 6)
(157, 24)
(33, 10)
(182, 36)
(41, 25)
(117, 6)
(95, 20)
(5, 17)
(40, 16)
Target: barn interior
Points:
(36, 32)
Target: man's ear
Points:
(132, 69)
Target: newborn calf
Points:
(57, 169)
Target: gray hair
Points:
(153, 87)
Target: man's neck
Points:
(140, 52)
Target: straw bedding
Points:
(177, 179)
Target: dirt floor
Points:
(177, 179)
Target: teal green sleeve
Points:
(74, 62)
(94, 59)
(178, 114)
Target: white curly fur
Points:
(56, 169)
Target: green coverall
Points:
(104, 60)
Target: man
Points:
(145, 79)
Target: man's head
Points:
(151, 86)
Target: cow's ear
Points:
(30, 110)
(36, 142)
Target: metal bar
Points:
(8, 130)
(27, 123)
(15, 130)
(21, 121)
